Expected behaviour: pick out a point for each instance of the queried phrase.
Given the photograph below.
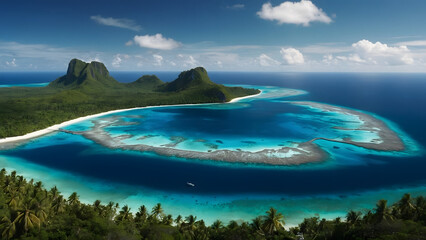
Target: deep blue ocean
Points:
(399, 98)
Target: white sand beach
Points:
(56, 127)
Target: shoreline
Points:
(57, 127)
(245, 97)
(304, 152)
(387, 140)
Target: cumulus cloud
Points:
(292, 56)
(116, 22)
(266, 61)
(156, 41)
(303, 12)
(380, 53)
(158, 59)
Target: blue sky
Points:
(317, 35)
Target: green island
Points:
(87, 88)
(29, 211)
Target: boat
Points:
(190, 184)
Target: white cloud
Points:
(219, 64)
(129, 43)
(266, 61)
(418, 43)
(326, 48)
(191, 62)
(91, 59)
(118, 59)
(328, 59)
(158, 59)
(156, 41)
(356, 58)
(292, 56)
(117, 22)
(188, 61)
(303, 12)
(11, 63)
(380, 53)
(236, 6)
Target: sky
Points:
(220, 35)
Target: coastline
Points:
(245, 97)
(57, 127)
(388, 140)
(303, 152)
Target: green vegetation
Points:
(29, 211)
(87, 88)
(147, 82)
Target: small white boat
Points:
(190, 184)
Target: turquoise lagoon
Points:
(351, 178)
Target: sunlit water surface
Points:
(352, 178)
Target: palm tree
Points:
(217, 225)
(58, 205)
(7, 185)
(168, 220)
(73, 199)
(20, 183)
(124, 214)
(420, 207)
(39, 208)
(38, 187)
(8, 228)
(256, 224)
(157, 212)
(232, 224)
(14, 199)
(98, 207)
(27, 219)
(190, 222)
(189, 225)
(405, 207)
(54, 193)
(141, 215)
(2, 173)
(13, 175)
(353, 217)
(178, 221)
(274, 221)
(382, 212)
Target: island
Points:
(87, 89)
(88, 92)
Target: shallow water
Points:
(355, 175)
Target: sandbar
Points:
(389, 140)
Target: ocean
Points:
(352, 178)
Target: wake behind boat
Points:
(190, 184)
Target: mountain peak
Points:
(191, 78)
(80, 74)
(147, 82)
